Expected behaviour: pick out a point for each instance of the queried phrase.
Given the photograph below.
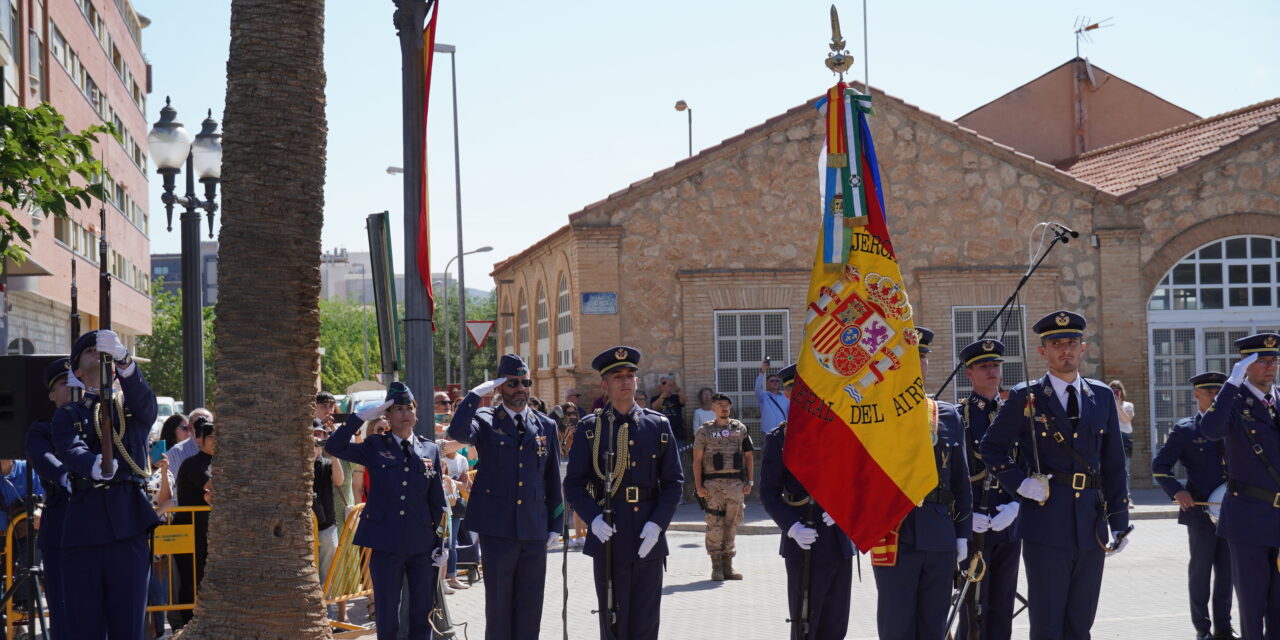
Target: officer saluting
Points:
(994, 511)
(108, 516)
(1206, 466)
(624, 478)
(807, 529)
(516, 505)
(54, 476)
(1077, 444)
(1244, 414)
(403, 521)
(914, 581)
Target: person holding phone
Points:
(774, 400)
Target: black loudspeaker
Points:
(23, 400)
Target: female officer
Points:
(402, 523)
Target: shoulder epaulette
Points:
(656, 413)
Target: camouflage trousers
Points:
(723, 495)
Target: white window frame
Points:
(742, 390)
(1015, 369)
(564, 323)
(543, 329)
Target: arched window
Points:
(564, 324)
(1215, 295)
(544, 330)
(522, 327)
(508, 323)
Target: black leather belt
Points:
(638, 494)
(941, 496)
(1076, 481)
(1257, 493)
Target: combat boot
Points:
(727, 564)
(717, 569)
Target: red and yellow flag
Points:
(857, 430)
(424, 223)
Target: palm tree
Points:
(261, 580)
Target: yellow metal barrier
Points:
(348, 576)
(170, 540)
(14, 617)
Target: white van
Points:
(165, 407)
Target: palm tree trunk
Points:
(261, 579)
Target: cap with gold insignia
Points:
(926, 338)
(54, 370)
(982, 351)
(615, 358)
(1060, 324)
(399, 393)
(1263, 344)
(787, 374)
(1211, 380)
(512, 365)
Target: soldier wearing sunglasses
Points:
(515, 505)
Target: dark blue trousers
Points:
(1210, 564)
(107, 584)
(995, 593)
(1062, 587)
(51, 558)
(638, 591)
(830, 582)
(1257, 581)
(387, 571)
(515, 572)
(912, 597)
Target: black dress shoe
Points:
(1228, 634)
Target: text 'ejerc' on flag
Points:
(857, 430)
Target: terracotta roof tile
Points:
(1126, 166)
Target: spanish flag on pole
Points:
(858, 436)
(424, 218)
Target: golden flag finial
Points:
(838, 61)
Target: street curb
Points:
(770, 528)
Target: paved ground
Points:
(1143, 591)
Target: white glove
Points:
(73, 382)
(440, 558)
(1033, 489)
(1237, 372)
(485, 388)
(648, 537)
(1005, 518)
(374, 412)
(109, 343)
(828, 520)
(962, 551)
(804, 536)
(981, 523)
(553, 539)
(601, 530)
(97, 472)
(1124, 542)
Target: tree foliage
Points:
(349, 337)
(164, 346)
(38, 158)
(478, 360)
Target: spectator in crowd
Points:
(566, 417)
(571, 396)
(326, 405)
(537, 404)
(642, 399)
(327, 476)
(457, 481)
(670, 402)
(704, 413)
(188, 447)
(1124, 411)
(175, 430)
(773, 399)
(161, 491)
(191, 481)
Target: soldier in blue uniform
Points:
(1244, 414)
(1206, 465)
(403, 522)
(640, 489)
(1077, 446)
(808, 529)
(55, 477)
(994, 511)
(915, 591)
(106, 559)
(516, 505)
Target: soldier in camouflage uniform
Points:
(722, 465)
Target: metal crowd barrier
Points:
(348, 576)
(13, 616)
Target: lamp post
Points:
(171, 146)
(681, 105)
(462, 322)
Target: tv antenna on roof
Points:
(1083, 26)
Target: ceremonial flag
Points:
(858, 436)
(424, 235)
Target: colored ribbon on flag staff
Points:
(424, 234)
(857, 429)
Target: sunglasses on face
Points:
(184, 427)
(515, 384)
(442, 402)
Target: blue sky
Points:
(563, 103)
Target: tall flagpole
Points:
(410, 19)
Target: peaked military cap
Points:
(512, 365)
(1263, 344)
(1208, 380)
(788, 374)
(926, 338)
(89, 339)
(54, 370)
(982, 351)
(616, 357)
(399, 393)
(1060, 324)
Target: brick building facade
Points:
(704, 266)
